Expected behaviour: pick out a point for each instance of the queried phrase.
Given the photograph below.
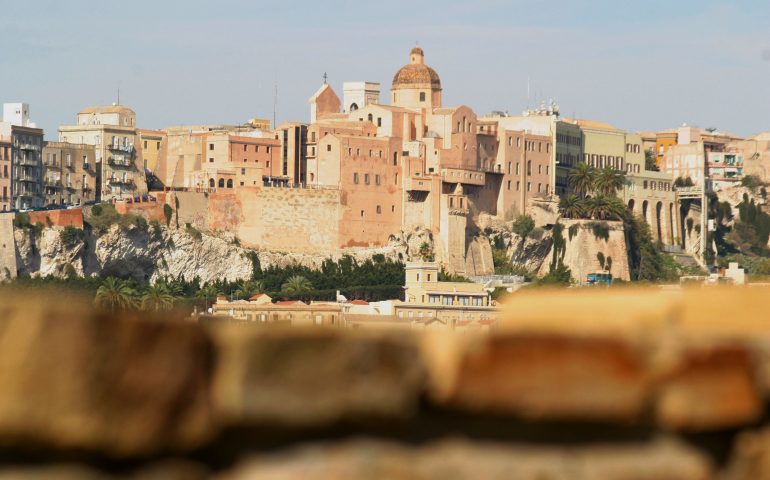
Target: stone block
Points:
(75, 379)
(711, 388)
(541, 377)
(298, 378)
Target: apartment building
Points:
(154, 146)
(26, 156)
(119, 163)
(69, 173)
(5, 174)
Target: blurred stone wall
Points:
(577, 384)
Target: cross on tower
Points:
(324, 78)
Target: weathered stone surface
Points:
(73, 378)
(52, 472)
(710, 389)
(750, 458)
(304, 378)
(461, 459)
(544, 377)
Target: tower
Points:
(416, 85)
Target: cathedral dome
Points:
(416, 74)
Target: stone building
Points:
(233, 161)
(430, 302)
(26, 145)
(119, 164)
(69, 173)
(5, 173)
(154, 146)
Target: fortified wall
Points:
(7, 247)
(72, 217)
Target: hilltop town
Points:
(484, 201)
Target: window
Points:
(256, 148)
(379, 121)
(509, 184)
(510, 141)
(211, 145)
(518, 185)
(422, 96)
(517, 168)
(243, 171)
(529, 186)
(145, 144)
(328, 148)
(355, 178)
(369, 117)
(244, 147)
(221, 183)
(539, 187)
(539, 169)
(157, 146)
(376, 179)
(395, 159)
(529, 167)
(212, 183)
(211, 160)
(509, 168)
(362, 213)
(379, 210)
(366, 178)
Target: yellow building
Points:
(153, 145)
(450, 304)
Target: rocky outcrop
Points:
(150, 254)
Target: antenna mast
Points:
(275, 102)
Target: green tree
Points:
(581, 179)
(249, 288)
(207, 294)
(115, 294)
(572, 206)
(650, 163)
(296, 285)
(608, 181)
(603, 207)
(157, 298)
(523, 225)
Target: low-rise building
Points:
(429, 302)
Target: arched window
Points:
(370, 118)
(221, 183)
(212, 183)
(230, 183)
(353, 107)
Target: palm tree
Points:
(207, 294)
(158, 297)
(608, 181)
(296, 284)
(571, 206)
(581, 179)
(115, 293)
(604, 207)
(248, 288)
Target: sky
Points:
(646, 65)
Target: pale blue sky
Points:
(651, 65)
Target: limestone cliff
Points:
(584, 240)
(148, 254)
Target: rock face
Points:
(148, 255)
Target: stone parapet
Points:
(589, 384)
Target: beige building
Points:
(112, 130)
(69, 173)
(153, 145)
(260, 309)
(448, 304)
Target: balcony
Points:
(28, 161)
(120, 181)
(458, 175)
(87, 188)
(52, 182)
(89, 167)
(69, 186)
(28, 146)
(122, 148)
(120, 162)
(25, 177)
(417, 184)
(70, 166)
